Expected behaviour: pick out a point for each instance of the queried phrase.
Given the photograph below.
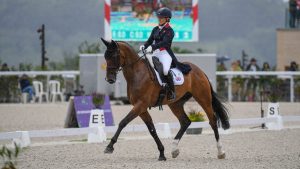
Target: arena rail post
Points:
(97, 121)
(164, 130)
(98, 137)
(23, 140)
(273, 112)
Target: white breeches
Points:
(164, 58)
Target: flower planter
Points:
(194, 131)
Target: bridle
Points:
(116, 69)
(116, 60)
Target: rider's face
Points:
(162, 21)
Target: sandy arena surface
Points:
(245, 148)
(261, 149)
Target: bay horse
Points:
(143, 92)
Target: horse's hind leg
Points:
(206, 103)
(178, 111)
(149, 123)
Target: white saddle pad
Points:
(178, 78)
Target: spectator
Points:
(221, 81)
(266, 67)
(265, 81)
(293, 66)
(237, 82)
(298, 14)
(26, 86)
(5, 85)
(252, 66)
(4, 67)
(252, 81)
(293, 12)
(235, 66)
(239, 64)
(221, 67)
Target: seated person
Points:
(293, 66)
(26, 86)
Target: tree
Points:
(85, 47)
(71, 61)
(177, 49)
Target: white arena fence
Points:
(247, 74)
(98, 134)
(48, 74)
(229, 75)
(68, 80)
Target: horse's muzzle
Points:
(110, 81)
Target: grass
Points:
(9, 156)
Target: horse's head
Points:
(113, 60)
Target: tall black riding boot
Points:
(171, 95)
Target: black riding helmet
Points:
(164, 13)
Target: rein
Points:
(120, 68)
(124, 66)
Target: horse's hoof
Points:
(162, 158)
(175, 153)
(225, 125)
(109, 150)
(222, 156)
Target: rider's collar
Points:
(164, 25)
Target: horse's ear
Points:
(114, 44)
(106, 43)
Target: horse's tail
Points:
(219, 108)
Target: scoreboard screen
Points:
(133, 20)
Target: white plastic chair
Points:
(54, 89)
(39, 91)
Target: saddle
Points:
(156, 68)
(178, 78)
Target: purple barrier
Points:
(83, 107)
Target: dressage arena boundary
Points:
(98, 134)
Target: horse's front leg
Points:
(149, 123)
(136, 110)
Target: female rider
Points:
(159, 43)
